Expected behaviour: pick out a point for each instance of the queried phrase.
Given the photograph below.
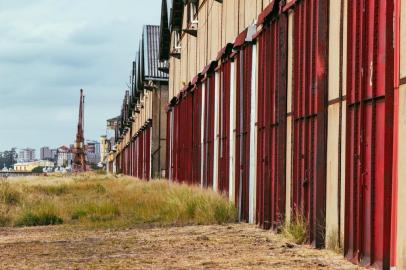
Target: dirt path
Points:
(194, 247)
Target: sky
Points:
(49, 50)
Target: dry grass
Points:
(108, 201)
(233, 246)
(334, 242)
(296, 230)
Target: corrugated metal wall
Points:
(208, 130)
(272, 125)
(224, 126)
(197, 132)
(243, 60)
(370, 114)
(309, 116)
(306, 119)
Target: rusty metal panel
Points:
(224, 127)
(208, 145)
(196, 127)
(309, 110)
(141, 156)
(272, 125)
(370, 114)
(243, 98)
(168, 144)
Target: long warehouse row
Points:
(291, 108)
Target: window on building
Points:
(192, 10)
(176, 40)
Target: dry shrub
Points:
(334, 241)
(296, 230)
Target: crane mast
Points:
(79, 159)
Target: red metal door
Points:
(141, 156)
(224, 127)
(244, 66)
(175, 143)
(147, 174)
(209, 131)
(272, 102)
(168, 143)
(310, 39)
(196, 127)
(369, 158)
(187, 137)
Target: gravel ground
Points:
(237, 246)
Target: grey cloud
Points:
(47, 55)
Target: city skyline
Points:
(89, 46)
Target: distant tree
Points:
(8, 158)
(38, 169)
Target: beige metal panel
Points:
(401, 217)
(332, 191)
(202, 38)
(184, 65)
(345, 30)
(163, 140)
(230, 18)
(241, 15)
(343, 146)
(192, 58)
(221, 43)
(223, 20)
(178, 80)
(171, 78)
(184, 19)
(288, 167)
(334, 50)
(250, 13)
(214, 40)
(403, 39)
(259, 6)
(210, 22)
(290, 63)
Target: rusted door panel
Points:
(272, 91)
(369, 158)
(196, 126)
(244, 64)
(209, 131)
(309, 110)
(224, 127)
(168, 144)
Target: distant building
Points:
(105, 147)
(64, 156)
(93, 152)
(26, 155)
(29, 166)
(45, 153)
(54, 154)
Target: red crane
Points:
(79, 159)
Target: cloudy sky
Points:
(49, 49)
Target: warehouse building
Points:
(294, 108)
(140, 148)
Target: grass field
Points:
(108, 201)
(109, 222)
